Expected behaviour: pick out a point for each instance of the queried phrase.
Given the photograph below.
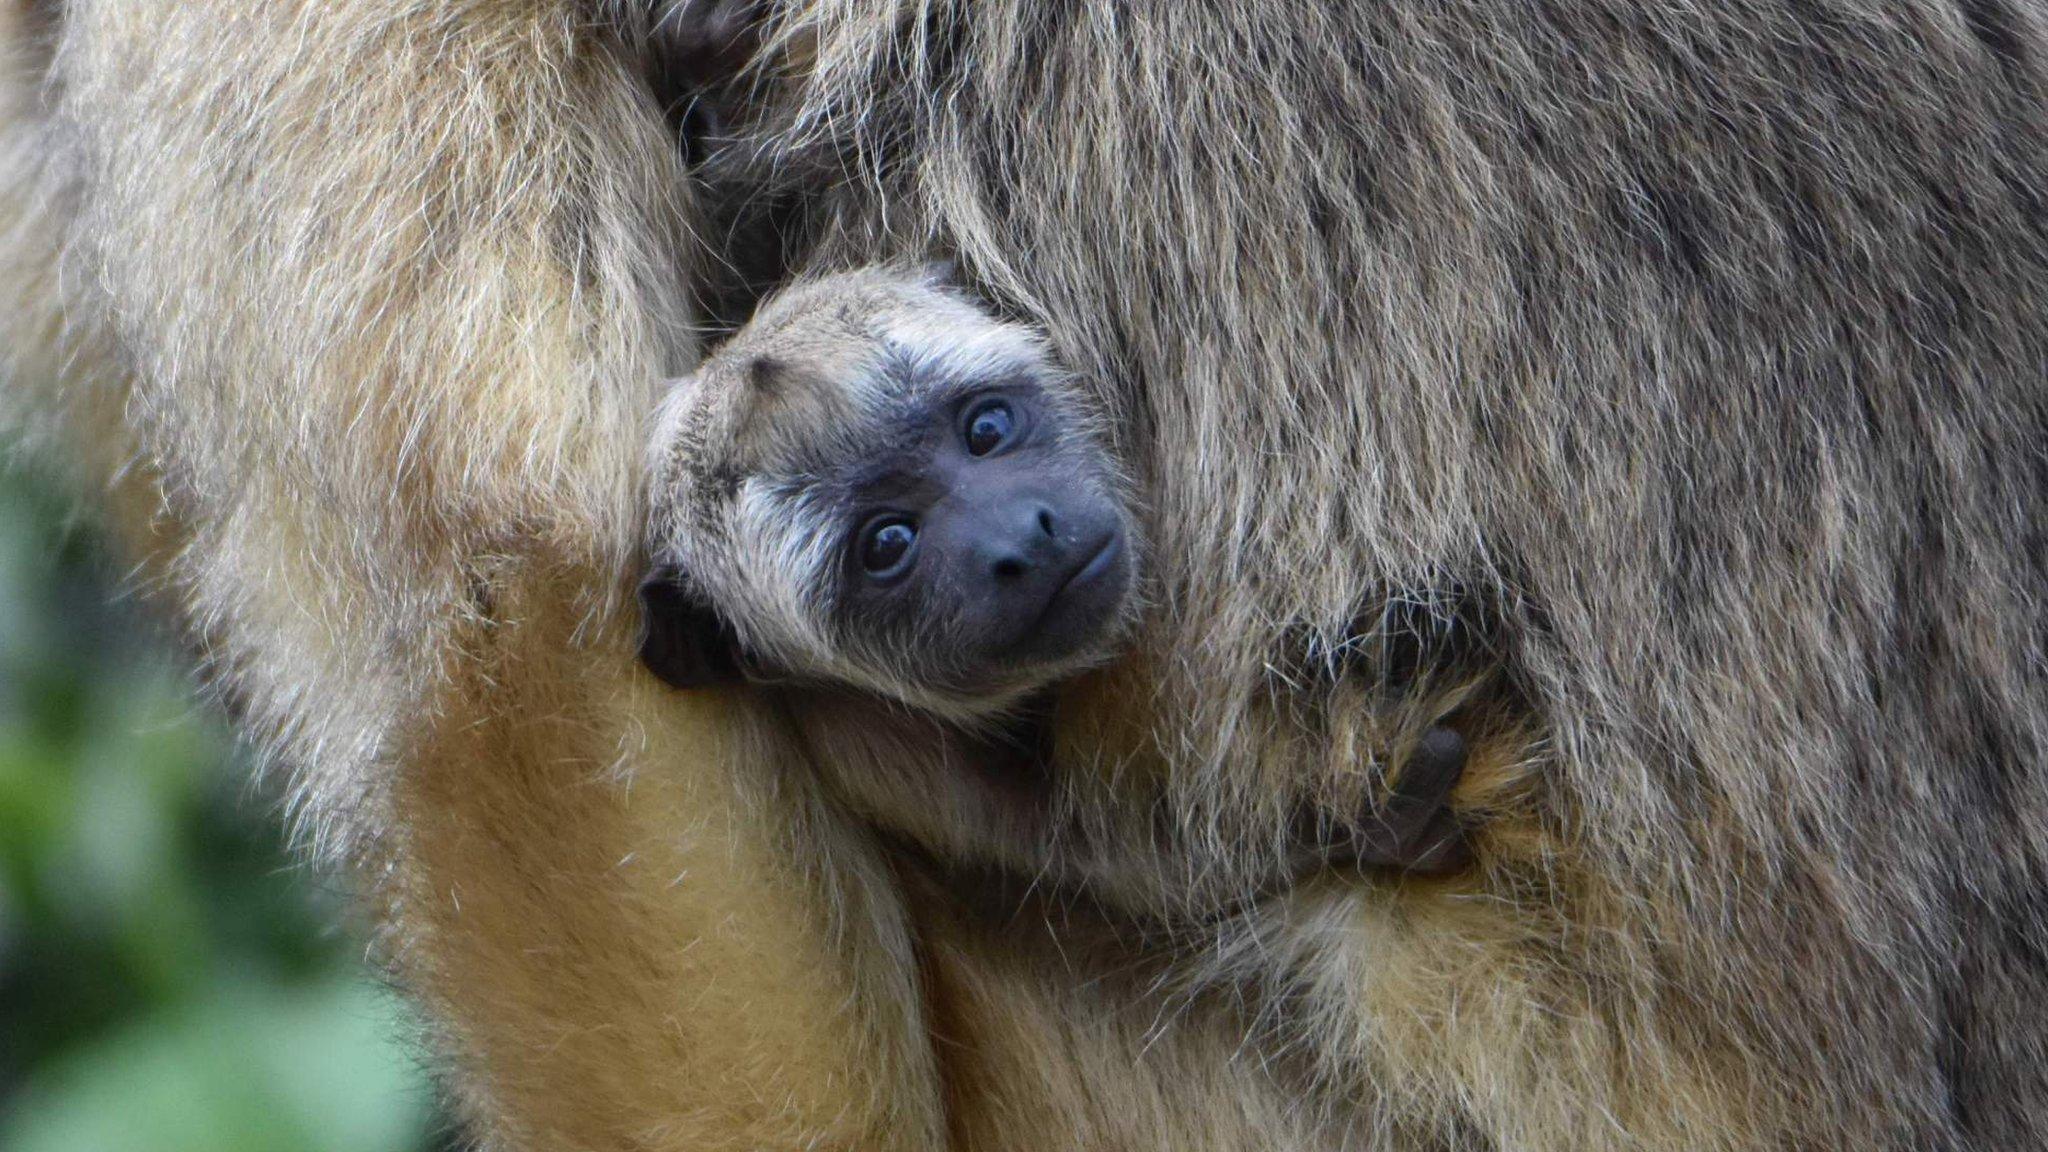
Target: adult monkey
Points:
(1701, 349)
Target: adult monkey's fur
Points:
(383, 291)
(1693, 353)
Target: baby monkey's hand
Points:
(1412, 829)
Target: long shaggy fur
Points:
(395, 281)
(1703, 349)
(1666, 378)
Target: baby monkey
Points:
(875, 483)
(876, 488)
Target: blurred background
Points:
(170, 978)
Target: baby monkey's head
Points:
(877, 483)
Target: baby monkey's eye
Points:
(988, 427)
(885, 544)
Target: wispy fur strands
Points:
(1705, 347)
(396, 280)
(1668, 375)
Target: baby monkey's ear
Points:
(682, 640)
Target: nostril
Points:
(1045, 522)
(1009, 568)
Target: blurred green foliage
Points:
(169, 978)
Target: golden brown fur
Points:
(1687, 356)
(396, 281)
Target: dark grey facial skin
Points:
(989, 545)
(983, 550)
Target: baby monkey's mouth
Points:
(1081, 605)
(1092, 568)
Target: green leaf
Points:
(320, 1069)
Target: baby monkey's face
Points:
(877, 483)
(988, 549)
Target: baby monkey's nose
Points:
(1028, 546)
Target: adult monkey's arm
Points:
(395, 279)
